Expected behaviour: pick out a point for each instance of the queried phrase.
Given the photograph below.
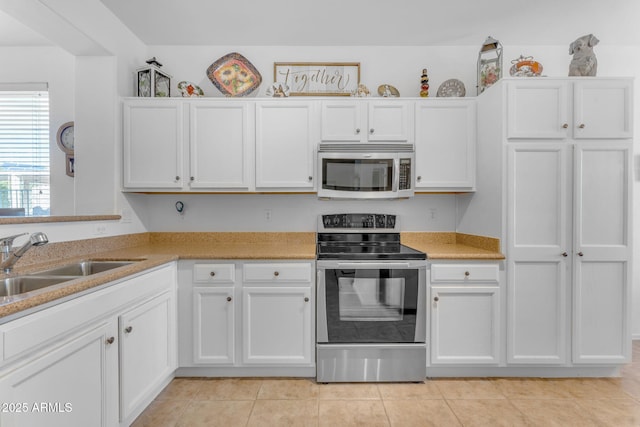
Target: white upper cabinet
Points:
(559, 109)
(286, 140)
(153, 144)
(366, 121)
(445, 145)
(221, 145)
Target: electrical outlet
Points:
(100, 229)
(268, 214)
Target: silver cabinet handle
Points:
(371, 131)
(310, 178)
(467, 274)
(580, 254)
(581, 126)
(306, 299)
(128, 329)
(565, 126)
(229, 299)
(358, 130)
(110, 340)
(419, 178)
(275, 273)
(213, 273)
(564, 254)
(436, 298)
(192, 178)
(177, 178)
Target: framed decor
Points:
(318, 78)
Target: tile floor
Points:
(193, 402)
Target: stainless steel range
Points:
(371, 314)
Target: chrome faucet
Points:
(10, 256)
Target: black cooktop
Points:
(362, 237)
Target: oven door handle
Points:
(373, 265)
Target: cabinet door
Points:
(538, 244)
(153, 144)
(389, 121)
(602, 256)
(286, 140)
(276, 325)
(213, 325)
(221, 145)
(445, 145)
(342, 121)
(538, 109)
(74, 384)
(465, 325)
(602, 109)
(147, 351)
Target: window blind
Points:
(24, 152)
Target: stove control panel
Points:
(359, 221)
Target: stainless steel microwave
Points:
(367, 171)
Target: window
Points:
(24, 152)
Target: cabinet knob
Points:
(128, 329)
(565, 126)
(564, 254)
(110, 340)
(310, 178)
(306, 299)
(419, 178)
(229, 298)
(358, 130)
(177, 178)
(580, 254)
(275, 273)
(467, 274)
(192, 178)
(372, 130)
(436, 298)
(581, 126)
(213, 273)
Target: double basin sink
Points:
(17, 285)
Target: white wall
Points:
(54, 66)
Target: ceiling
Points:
(362, 22)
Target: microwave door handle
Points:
(396, 175)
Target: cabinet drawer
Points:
(464, 272)
(214, 273)
(277, 272)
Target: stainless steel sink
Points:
(83, 268)
(22, 284)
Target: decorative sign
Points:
(318, 78)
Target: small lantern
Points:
(150, 81)
(489, 64)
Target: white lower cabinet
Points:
(276, 325)
(243, 315)
(75, 384)
(465, 314)
(147, 352)
(96, 360)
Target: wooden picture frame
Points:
(318, 78)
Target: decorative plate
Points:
(234, 75)
(190, 90)
(388, 91)
(451, 88)
(278, 90)
(525, 67)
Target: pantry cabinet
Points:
(445, 145)
(465, 314)
(577, 108)
(560, 198)
(285, 145)
(366, 121)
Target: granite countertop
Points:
(153, 249)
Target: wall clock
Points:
(65, 137)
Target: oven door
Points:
(371, 302)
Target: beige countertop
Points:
(153, 249)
